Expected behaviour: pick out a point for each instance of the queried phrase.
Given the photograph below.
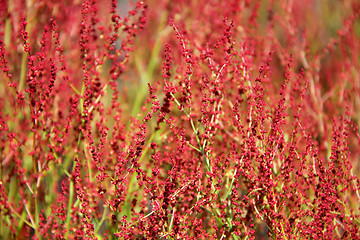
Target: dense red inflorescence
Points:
(179, 119)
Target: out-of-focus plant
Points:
(179, 119)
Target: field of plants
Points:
(185, 119)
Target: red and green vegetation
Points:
(162, 119)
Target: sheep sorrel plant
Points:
(165, 119)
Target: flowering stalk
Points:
(179, 119)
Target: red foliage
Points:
(179, 119)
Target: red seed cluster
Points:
(179, 119)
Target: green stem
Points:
(23, 71)
(21, 217)
(71, 187)
(71, 196)
(101, 221)
(7, 34)
(146, 76)
(231, 185)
